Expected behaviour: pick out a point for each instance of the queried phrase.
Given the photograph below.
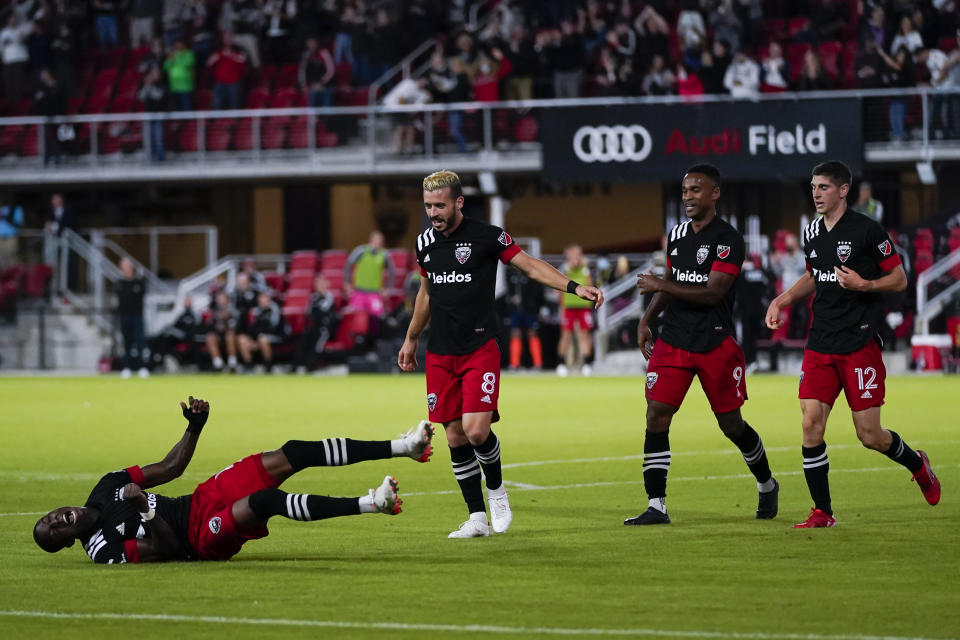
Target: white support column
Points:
(498, 209)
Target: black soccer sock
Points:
(816, 466)
(334, 452)
(267, 503)
(488, 454)
(656, 463)
(901, 452)
(751, 446)
(467, 472)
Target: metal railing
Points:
(404, 69)
(929, 308)
(608, 319)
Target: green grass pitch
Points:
(567, 567)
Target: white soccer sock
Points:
(399, 447)
(366, 503)
(766, 487)
(660, 504)
(498, 492)
(479, 516)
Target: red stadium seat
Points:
(36, 279)
(334, 278)
(304, 260)
(243, 136)
(830, 57)
(301, 280)
(30, 143)
(273, 134)
(354, 325)
(265, 78)
(333, 259)
(923, 243)
(526, 129)
(795, 53)
(326, 139)
(275, 281)
(287, 76)
(849, 78)
(188, 137)
(218, 134)
(923, 261)
(258, 98)
(203, 99)
(948, 44)
(796, 25)
(775, 29)
(401, 258)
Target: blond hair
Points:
(440, 179)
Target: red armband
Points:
(507, 254)
(130, 550)
(725, 267)
(136, 474)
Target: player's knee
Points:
(871, 439)
(658, 419)
(267, 503)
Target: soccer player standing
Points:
(704, 256)
(458, 261)
(851, 262)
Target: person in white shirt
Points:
(407, 92)
(943, 83)
(13, 45)
(742, 78)
(907, 37)
(774, 70)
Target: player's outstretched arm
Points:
(545, 274)
(196, 411)
(801, 290)
(407, 358)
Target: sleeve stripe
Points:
(809, 268)
(889, 264)
(136, 474)
(423, 272)
(669, 266)
(130, 550)
(508, 254)
(725, 267)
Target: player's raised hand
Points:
(132, 492)
(196, 411)
(773, 316)
(850, 279)
(587, 292)
(407, 358)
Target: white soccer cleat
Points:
(143, 372)
(562, 370)
(500, 514)
(126, 373)
(417, 441)
(471, 529)
(385, 497)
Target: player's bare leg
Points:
(266, 350)
(816, 464)
(749, 443)
(213, 348)
(563, 351)
(873, 436)
(586, 348)
(247, 348)
(230, 339)
(656, 463)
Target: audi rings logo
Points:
(618, 143)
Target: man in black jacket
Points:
(130, 292)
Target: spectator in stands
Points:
(606, 79)
(60, 216)
(316, 72)
(63, 50)
(154, 58)
(875, 28)
(742, 78)
(40, 39)
(775, 70)
(384, 50)
(869, 66)
(153, 94)
(813, 77)
(349, 24)
(174, 16)
(185, 330)
(908, 37)
(789, 265)
(691, 31)
(927, 29)
(363, 275)
(449, 83)
(11, 220)
(321, 325)
(526, 65)
(280, 16)
(106, 14)
(202, 19)
(406, 92)
(51, 102)
(131, 290)
(566, 57)
(726, 25)
(13, 44)
(244, 300)
(490, 68)
(143, 16)
(688, 82)
(243, 19)
(222, 331)
(229, 65)
(179, 66)
(948, 81)
(713, 67)
(258, 282)
(899, 73)
(654, 32)
(867, 204)
(622, 40)
(828, 22)
(933, 61)
(659, 80)
(267, 328)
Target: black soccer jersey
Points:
(121, 525)
(691, 256)
(844, 320)
(461, 272)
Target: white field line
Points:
(443, 628)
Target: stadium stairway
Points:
(73, 343)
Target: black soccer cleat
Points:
(769, 503)
(650, 516)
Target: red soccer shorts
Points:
(671, 371)
(860, 374)
(463, 384)
(212, 530)
(573, 318)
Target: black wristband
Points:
(572, 287)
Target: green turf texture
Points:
(888, 569)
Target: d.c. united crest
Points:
(843, 251)
(702, 254)
(463, 254)
(431, 401)
(651, 380)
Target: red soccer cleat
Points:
(816, 520)
(928, 481)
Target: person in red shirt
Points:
(228, 65)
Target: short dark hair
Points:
(46, 544)
(706, 169)
(837, 172)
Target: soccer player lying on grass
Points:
(121, 523)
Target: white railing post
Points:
(212, 245)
